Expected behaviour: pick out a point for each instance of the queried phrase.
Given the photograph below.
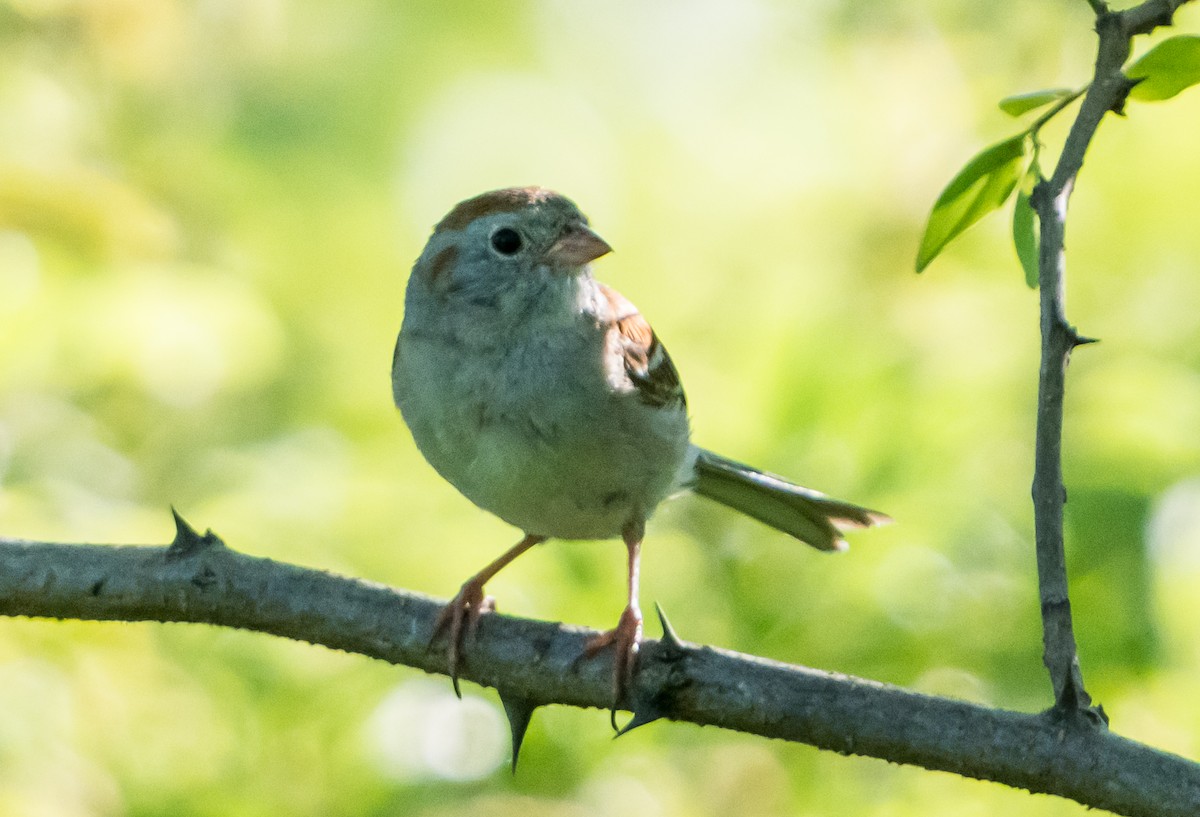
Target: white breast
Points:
(531, 430)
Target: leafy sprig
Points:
(991, 176)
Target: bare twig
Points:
(1105, 93)
(532, 663)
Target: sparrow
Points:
(547, 399)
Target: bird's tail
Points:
(808, 515)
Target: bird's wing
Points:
(645, 360)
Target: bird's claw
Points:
(625, 638)
(459, 619)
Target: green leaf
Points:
(983, 185)
(1165, 70)
(1024, 227)
(1024, 232)
(1018, 104)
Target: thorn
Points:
(187, 541)
(642, 715)
(1073, 336)
(519, 712)
(1074, 703)
(183, 531)
(1068, 699)
(670, 637)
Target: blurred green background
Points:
(207, 214)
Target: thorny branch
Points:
(1106, 93)
(532, 663)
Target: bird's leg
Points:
(627, 635)
(461, 615)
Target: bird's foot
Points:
(458, 619)
(625, 639)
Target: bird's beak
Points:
(577, 245)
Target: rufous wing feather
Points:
(646, 362)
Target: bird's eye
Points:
(506, 241)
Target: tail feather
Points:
(808, 515)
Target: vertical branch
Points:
(1050, 199)
(1049, 494)
(1106, 93)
